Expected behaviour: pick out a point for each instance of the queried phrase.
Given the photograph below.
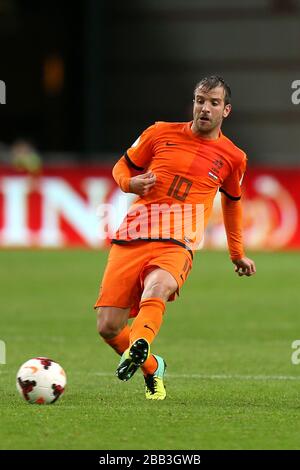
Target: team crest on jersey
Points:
(218, 163)
(217, 166)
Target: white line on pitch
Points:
(219, 376)
(202, 376)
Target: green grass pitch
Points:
(226, 340)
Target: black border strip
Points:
(233, 198)
(133, 165)
(136, 459)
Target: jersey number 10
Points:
(180, 188)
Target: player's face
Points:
(209, 111)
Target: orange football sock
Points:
(150, 365)
(120, 342)
(148, 321)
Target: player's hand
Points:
(142, 184)
(244, 267)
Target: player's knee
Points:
(107, 330)
(107, 325)
(159, 289)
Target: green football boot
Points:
(132, 359)
(155, 389)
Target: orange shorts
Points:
(127, 266)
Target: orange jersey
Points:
(189, 171)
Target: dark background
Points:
(85, 78)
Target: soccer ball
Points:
(41, 380)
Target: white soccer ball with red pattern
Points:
(41, 380)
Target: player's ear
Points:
(227, 110)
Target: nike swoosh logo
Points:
(170, 144)
(146, 326)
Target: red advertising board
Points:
(69, 206)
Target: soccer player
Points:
(180, 167)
